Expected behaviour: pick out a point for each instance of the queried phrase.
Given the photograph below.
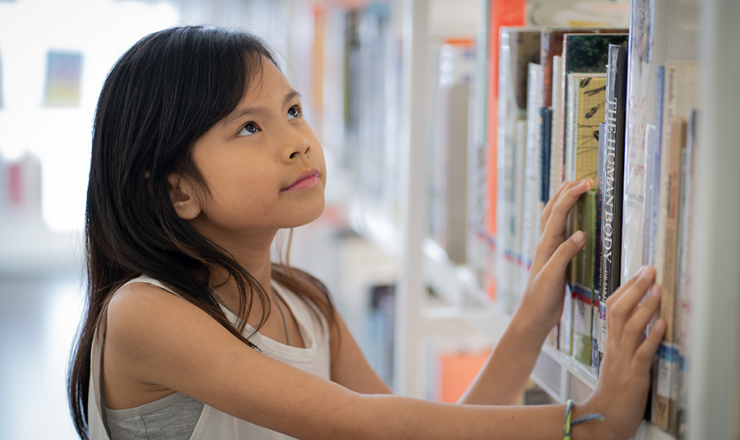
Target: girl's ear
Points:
(183, 197)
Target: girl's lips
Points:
(307, 179)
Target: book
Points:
(502, 13)
(556, 157)
(447, 164)
(680, 84)
(684, 286)
(582, 53)
(531, 226)
(660, 30)
(553, 91)
(586, 111)
(596, 322)
(551, 45)
(582, 285)
(668, 352)
(519, 47)
(545, 136)
(616, 91)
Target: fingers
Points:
(550, 203)
(644, 355)
(621, 304)
(557, 218)
(557, 264)
(636, 324)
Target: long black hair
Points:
(160, 97)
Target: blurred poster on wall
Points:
(63, 79)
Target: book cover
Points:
(545, 139)
(660, 30)
(551, 45)
(519, 47)
(616, 95)
(597, 252)
(582, 285)
(583, 53)
(684, 292)
(586, 111)
(591, 99)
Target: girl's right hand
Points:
(624, 377)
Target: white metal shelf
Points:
(558, 374)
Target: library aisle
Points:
(447, 126)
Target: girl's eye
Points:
(294, 112)
(249, 129)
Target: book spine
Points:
(596, 327)
(613, 172)
(685, 279)
(556, 157)
(545, 140)
(668, 365)
(571, 104)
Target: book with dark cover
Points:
(545, 133)
(611, 227)
(551, 44)
(597, 253)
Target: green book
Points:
(582, 283)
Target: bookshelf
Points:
(424, 264)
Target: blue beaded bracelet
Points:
(569, 424)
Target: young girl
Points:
(200, 155)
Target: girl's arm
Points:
(349, 367)
(155, 339)
(504, 376)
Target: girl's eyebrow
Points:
(239, 112)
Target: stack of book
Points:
(617, 106)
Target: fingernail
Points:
(659, 325)
(579, 237)
(646, 272)
(656, 291)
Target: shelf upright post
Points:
(410, 299)
(713, 387)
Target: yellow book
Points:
(591, 96)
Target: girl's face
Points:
(263, 165)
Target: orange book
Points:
(457, 372)
(503, 13)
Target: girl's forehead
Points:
(267, 83)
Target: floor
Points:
(38, 320)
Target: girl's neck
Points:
(251, 254)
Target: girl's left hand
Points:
(542, 302)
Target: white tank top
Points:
(214, 424)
